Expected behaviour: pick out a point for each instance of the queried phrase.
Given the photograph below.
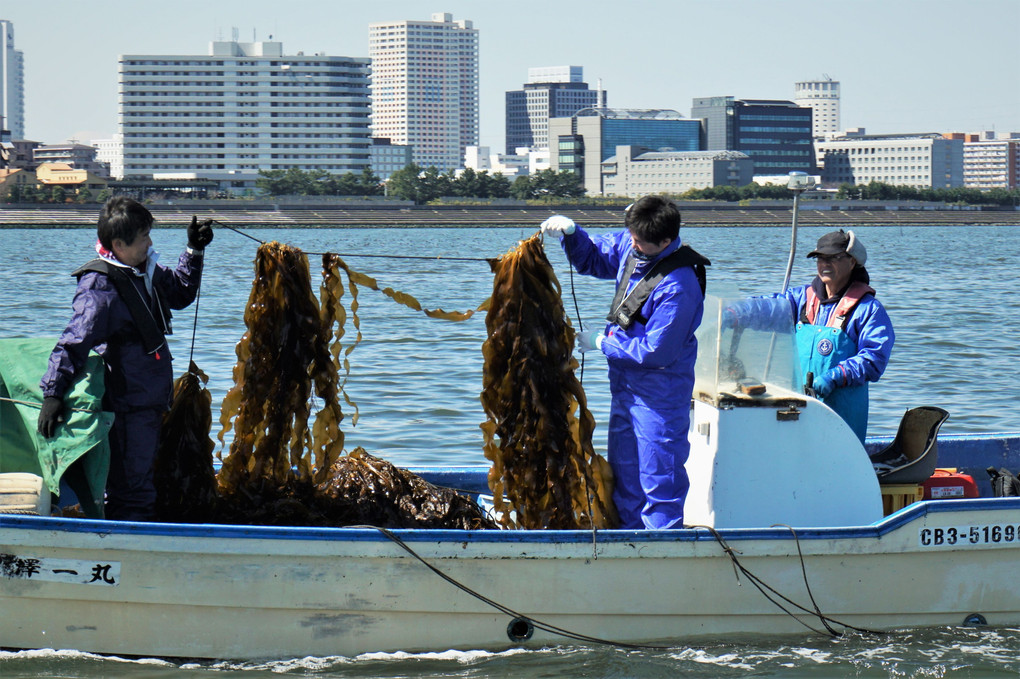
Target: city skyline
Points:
(904, 66)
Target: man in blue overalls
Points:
(650, 347)
(844, 335)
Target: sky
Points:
(903, 65)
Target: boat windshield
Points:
(744, 342)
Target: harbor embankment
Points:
(375, 214)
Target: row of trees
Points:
(425, 185)
(297, 182)
(421, 186)
(880, 191)
(30, 193)
(871, 191)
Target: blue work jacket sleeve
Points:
(871, 330)
(597, 256)
(776, 312)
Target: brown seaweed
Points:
(183, 470)
(545, 471)
(284, 350)
(363, 489)
(278, 470)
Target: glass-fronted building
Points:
(551, 92)
(591, 136)
(776, 134)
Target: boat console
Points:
(762, 451)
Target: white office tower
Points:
(425, 87)
(242, 108)
(823, 97)
(12, 83)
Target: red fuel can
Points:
(946, 484)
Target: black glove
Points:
(199, 234)
(51, 414)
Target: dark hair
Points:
(653, 219)
(122, 218)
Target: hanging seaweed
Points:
(545, 471)
(280, 472)
(405, 299)
(183, 470)
(283, 350)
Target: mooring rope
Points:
(537, 624)
(35, 404)
(362, 254)
(771, 592)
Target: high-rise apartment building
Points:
(242, 108)
(551, 92)
(776, 134)
(12, 83)
(425, 87)
(822, 97)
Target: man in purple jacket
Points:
(121, 310)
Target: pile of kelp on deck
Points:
(280, 471)
(544, 464)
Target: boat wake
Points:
(984, 652)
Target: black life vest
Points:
(626, 307)
(153, 323)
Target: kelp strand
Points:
(545, 472)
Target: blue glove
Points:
(588, 340)
(559, 225)
(823, 386)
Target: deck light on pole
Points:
(799, 182)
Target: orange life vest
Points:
(844, 307)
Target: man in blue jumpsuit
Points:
(844, 335)
(650, 352)
(122, 311)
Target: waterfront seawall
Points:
(376, 215)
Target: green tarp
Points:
(82, 439)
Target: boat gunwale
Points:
(914, 512)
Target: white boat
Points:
(787, 534)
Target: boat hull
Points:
(259, 592)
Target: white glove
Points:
(588, 340)
(559, 225)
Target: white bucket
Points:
(22, 493)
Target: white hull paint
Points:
(170, 590)
(258, 592)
